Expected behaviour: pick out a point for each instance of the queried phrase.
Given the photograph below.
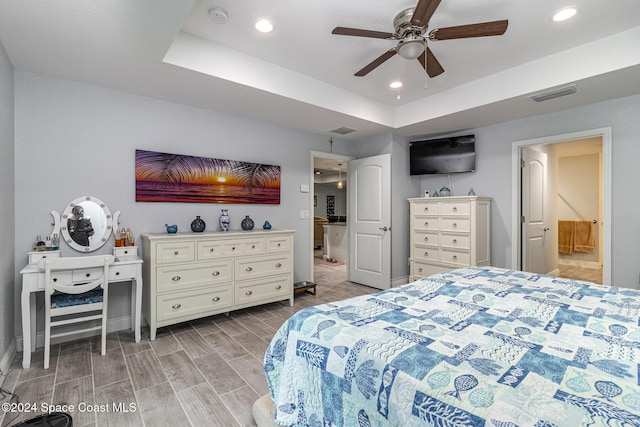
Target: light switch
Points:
(304, 188)
(304, 214)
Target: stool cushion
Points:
(59, 300)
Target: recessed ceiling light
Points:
(395, 85)
(264, 26)
(564, 14)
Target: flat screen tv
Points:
(443, 155)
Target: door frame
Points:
(516, 192)
(323, 155)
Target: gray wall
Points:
(74, 139)
(493, 176)
(7, 216)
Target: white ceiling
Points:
(301, 76)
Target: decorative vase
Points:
(471, 192)
(224, 220)
(444, 191)
(171, 229)
(247, 223)
(266, 225)
(198, 225)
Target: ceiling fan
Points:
(410, 28)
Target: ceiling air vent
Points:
(554, 93)
(342, 131)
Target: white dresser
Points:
(448, 233)
(193, 275)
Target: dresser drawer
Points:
(425, 209)
(455, 224)
(193, 303)
(455, 208)
(425, 223)
(424, 253)
(175, 252)
(462, 241)
(212, 249)
(253, 291)
(173, 278)
(250, 268)
(458, 258)
(419, 269)
(426, 238)
(278, 244)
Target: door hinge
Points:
(522, 219)
(522, 163)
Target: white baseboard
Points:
(7, 358)
(113, 325)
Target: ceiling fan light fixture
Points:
(264, 26)
(396, 84)
(411, 47)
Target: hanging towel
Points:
(584, 240)
(566, 231)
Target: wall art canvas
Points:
(165, 177)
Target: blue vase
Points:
(266, 225)
(224, 220)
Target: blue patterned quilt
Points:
(468, 347)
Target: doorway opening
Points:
(329, 199)
(559, 198)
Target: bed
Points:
(479, 346)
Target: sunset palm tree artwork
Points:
(164, 177)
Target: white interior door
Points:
(534, 172)
(369, 221)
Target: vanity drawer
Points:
(458, 258)
(462, 241)
(194, 303)
(212, 249)
(455, 224)
(276, 244)
(173, 278)
(36, 256)
(122, 272)
(253, 291)
(455, 208)
(261, 266)
(175, 252)
(125, 251)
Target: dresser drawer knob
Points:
(278, 265)
(176, 252)
(88, 275)
(426, 223)
(215, 273)
(211, 250)
(175, 278)
(455, 241)
(233, 248)
(215, 299)
(426, 239)
(279, 244)
(455, 209)
(176, 306)
(117, 273)
(253, 246)
(248, 293)
(279, 287)
(426, 254)
(55, 279)
(420, 270)
(455, 257)
(248, 269)
(426, 208)
(455, 224)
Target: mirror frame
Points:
(65, 232)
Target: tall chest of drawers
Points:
(448, 233)
(193, 275)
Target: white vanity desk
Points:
(126, 268)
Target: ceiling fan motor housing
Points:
(402, 24)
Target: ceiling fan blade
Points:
(344, 31)
(433, 67)
(376, 63)
(493, 28)
(423, 12)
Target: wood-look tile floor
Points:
(201, 373)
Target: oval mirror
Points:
(86, 224)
